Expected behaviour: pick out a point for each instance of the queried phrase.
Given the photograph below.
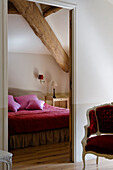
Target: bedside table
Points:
(58, 101)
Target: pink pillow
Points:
(12, 105)
(35, 105)
(23, 100)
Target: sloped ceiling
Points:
(21, 38)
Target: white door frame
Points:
(68, 4)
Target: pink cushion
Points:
(12, 105)
(35, 105)
(24, 100)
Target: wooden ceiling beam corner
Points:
(50, 11)
(41, 28)
(12, 9)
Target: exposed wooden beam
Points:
(46, 9)
(12, 9)
(50, 11)
(41, 28)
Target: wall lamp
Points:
(41, 78)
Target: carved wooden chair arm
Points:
(84, 141)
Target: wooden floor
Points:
(53, 157)
(30, 158)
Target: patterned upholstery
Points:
(105, 118)
(93, 123)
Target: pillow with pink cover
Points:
(12, 105)
(24, 100)
(35, 105)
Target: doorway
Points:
(4, 88)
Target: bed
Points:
(37, 127)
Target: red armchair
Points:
(98, 139)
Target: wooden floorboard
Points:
(53, 157)
(32, 157)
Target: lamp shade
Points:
(40, 76)
(54, 84)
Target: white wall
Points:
(21, 68)
(59, 22)
(27, 53)
(94, 60)
(22, 39)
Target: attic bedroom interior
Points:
(39, 80)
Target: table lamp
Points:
(54, 84)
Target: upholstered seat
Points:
(100, 144)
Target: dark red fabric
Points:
(93, 123)
(105, 118)
(100, 144)
(25, 121)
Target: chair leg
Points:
(83, 158)
(11, 163)
(97, 160)
(7, 166)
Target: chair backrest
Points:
(100, 119)
(105, 118)
(92, 121)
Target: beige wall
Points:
(21, 69)
(21, 38)
(27, 53)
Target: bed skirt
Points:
(39, 138)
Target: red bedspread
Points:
(26, 121)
